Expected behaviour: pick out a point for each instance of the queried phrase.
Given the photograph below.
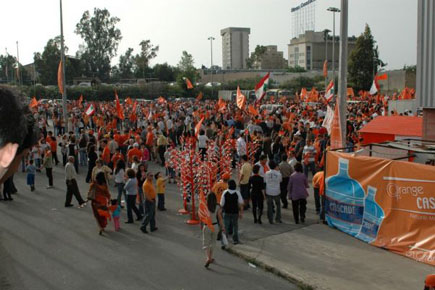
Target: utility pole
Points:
(326, 32)
(333, 10)
(211, 38)
(62, 58)
(342, 75)
(18, 67)
(7, 65)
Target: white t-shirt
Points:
(202, 141)
(273, 180)
(241, 146)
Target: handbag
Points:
(91, 192)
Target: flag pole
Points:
(343, 69)
(62, 58)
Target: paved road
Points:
(46, 246)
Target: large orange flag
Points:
(198, 127)
(203, 212)
(188, 84)
(325, 69)
(60, 78)
(128, 101)
(241, 99)
(252, 110)
(119, 109)
(221, 104)
(336, 136)
(199, 97)
(303, 94)
(33, 103)
(133, 116)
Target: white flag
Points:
(373, 89)
(327, 122)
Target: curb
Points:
(301, 284)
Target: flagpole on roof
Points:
(342, 76)
(62, 58)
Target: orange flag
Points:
(241, 99)
(33, 103)
(336, 137)
(161, 100)
(350, 92)
(119, 110)
(252, 110)
(199, 97)
(221, 104)
(303, 94)
(128, 101)
(80, 101)
(325, 68)
(60, 78)
(198, 127)
(203, 212)
(133, 116)
(188, 84)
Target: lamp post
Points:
(62, 58)
(333, 10)
(325, 36)
(211, 38)
(342, 76)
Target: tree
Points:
(164, 72)
(147, 52)
(364, 61)
(101, 39)
(255, 59)
(8, 65)
(126, 65)
(186, 69)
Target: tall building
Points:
(235, 47)
(271, 59)
(309, 49)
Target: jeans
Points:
(150, 215)
(83, 157)
(49, 173)
(231, 222)
(283, 187)
(257, 206)
(299, 209)
(120, 187)
(131, 206)
(161, 201)
(311, 166)
(317, 200)
(270, 200)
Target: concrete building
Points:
(235, 47)
(271, 59)
(308, 50)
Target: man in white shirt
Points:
(71, 184)
(273, 180)
(241, 146)
(231, 205)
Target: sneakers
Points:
(49, 186)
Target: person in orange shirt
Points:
(221, 186)
(150, 204)
(150, 141)
(105, 156)
(319, 193)
(429, 282)
(135, 151)
(117, 156)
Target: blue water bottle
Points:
(344, 200)
(372, 218)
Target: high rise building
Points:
(235, 47)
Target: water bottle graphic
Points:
(344, 200)
(372, 218)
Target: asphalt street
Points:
(44, 245)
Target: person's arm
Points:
(220, 219)
(241, 204)
(306, 182)
(290, 188)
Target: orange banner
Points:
(389, 204)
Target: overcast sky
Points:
(177, 25)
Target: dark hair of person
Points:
(211, 202)
(256, 169)
(100, 178)
(245, 157)
(284, 157)
(298, 167)
(131, 173)
(119, 165)
(232, 184)
(272, 164)
(13, 125)
(263, 157)
(114, 202)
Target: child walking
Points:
(115, 208)
(160, 187)
(31, 171)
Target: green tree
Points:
(8, 64)
(164, 72)
(147, 52)
(255, 58)
(364, 61)
(126, 65)
(186, 69)
(101, 39)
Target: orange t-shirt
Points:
(116, 157)
(106, 155)
(219, 189)
(319, 182)
(150, 139)
(134, 152)
(149, 190)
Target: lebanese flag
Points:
(90, 110)
(261, 87)
(327, 122)
(329, 94)
(241, 99)
(203, 212)
(375, 86)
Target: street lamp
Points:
(333, 10)
(211, 38)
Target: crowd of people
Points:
(276, 152)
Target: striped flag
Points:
(261, 87)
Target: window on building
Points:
(308, 58)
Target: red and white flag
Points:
(90, 110)
(261, 87)
(375, 86)
(327, 122)
(329, 94)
